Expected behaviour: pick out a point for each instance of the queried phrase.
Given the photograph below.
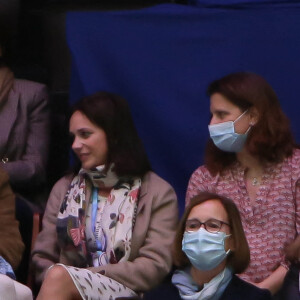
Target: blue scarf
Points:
(6, 269)
(211, 290)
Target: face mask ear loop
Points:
(240, 115)
(229, 250)
(239, 118)
(248, 129)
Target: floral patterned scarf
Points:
(98, 229)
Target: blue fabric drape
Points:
(162, 58)
(241, 3)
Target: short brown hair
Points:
(239, 258)
(270, 139)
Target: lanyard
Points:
(94, 208)
(94, 216)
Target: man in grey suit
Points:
(24, 136)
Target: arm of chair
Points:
(36, 228)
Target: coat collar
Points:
(143, 191)
(144, 187)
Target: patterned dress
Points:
(272, 222)
(94, 286)
(99, 230)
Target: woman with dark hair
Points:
(108, 227)
(209, 248)
(252, 158)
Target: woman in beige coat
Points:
(110, 224)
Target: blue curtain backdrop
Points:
(162, 58)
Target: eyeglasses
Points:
(211, 225)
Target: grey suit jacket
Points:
(24, 136)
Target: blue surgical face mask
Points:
(225, 137)
(205, 250)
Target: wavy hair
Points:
(270, 140)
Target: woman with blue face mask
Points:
(210, 247)
(252, 158)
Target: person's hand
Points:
(274, 282)
(261, 285)
(292, 251)
(258, 284)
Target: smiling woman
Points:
(90, 144)
(108, 227)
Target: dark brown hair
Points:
(270, 139)
(239, 258)
(111, 113)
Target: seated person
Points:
(24, 132)
(210, 248)
(109, 226)
(11, 246)
(252, 158)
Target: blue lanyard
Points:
(94, 215)
(94, 208)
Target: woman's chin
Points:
(87, 166)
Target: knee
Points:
(57, 274)
(7, 286)
(23, 292)
(58, 284)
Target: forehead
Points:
(210, 209)
(80, 120)
(219, 103)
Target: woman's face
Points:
(212, 209)
(223, 110)
(90, 143)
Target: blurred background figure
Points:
(24, 115)
(24, 132)
(11, 247)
